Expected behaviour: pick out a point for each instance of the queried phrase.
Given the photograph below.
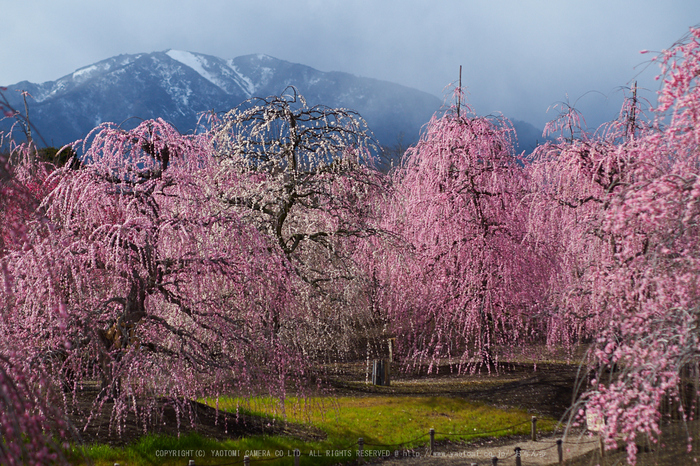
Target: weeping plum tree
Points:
(21, 190)
(571, 186)
(23, 170)
(618, 211)
(139, 277)
(305, 178)
(31, 428)
(651, 286)
(461, 191)
(649, 281)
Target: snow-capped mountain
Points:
(177, 85)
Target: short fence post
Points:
(432, 442)
(246, 460)
(518, 462)
(494, 461)
(360, 449)
(297, 457)
(560, 451)
(190, 463)
(534, 429)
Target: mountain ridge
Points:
(178, 85)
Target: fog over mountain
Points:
(178, 86)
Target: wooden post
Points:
(494, 461)
(459, 94)
(380, 372)
(533, 431)
(387, 373)
(518, 461)
(297, 457)
(560, 451)
(432, 442)
(360, 450)
(602, 446)
(631, 118)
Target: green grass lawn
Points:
(386, 423)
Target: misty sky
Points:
(519, 57)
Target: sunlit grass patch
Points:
(384, 423)
(150, 450)
(390, 420)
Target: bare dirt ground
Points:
(545, 390)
